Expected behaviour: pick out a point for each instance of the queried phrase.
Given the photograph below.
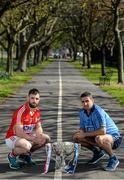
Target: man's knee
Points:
(27, 146)
(44, 140)
(24, 144)
(23, 147)
(98, 140)
(47, 138)
(103, 142)
(76, 138)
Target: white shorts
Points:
(10, 142)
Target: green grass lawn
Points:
(93, 74)
(9, 86)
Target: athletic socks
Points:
(12, 154)
(94, 149)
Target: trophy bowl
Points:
(68, 148)
(57, 148)
(65, 153)
(63, 148)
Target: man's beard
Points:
(33, 105)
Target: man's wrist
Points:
(85, 134)
(32, 138)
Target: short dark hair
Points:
(86, 94)
(33, 91)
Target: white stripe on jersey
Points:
(19, 114)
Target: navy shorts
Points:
(117, 142)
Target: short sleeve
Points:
(38, 117)
(81, 114)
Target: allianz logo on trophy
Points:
(66, 156)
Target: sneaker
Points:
(112, 164)
(13, 164)
(96, 157)
(70, 169)
(27, 159)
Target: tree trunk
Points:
(23, 50)
(42, 57)
(84, 59)
(88, 60)
(74, 55)
(38, 55)
(118, 45)
(103, 61)
(22, 66)
(9, 67)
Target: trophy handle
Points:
(47, 163)
(71, 168)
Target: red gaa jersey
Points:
(24, 116)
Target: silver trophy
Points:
(63, 150)
(68, 148)
(64, 153)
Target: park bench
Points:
(106, 79)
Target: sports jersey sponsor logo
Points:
(90, 128)
(28, 128)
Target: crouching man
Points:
(97, 132)
(25, 133)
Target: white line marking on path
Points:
(58, 172)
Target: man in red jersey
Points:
(25, 133)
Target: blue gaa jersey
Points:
(96, 119)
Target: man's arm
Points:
(100, 131)
(39, 129)
(41, 138)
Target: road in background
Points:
(60, 109)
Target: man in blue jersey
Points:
(97, 132)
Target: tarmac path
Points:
(60, 85)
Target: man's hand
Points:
(81, 134)
(39, 139)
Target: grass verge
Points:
(114, 89)
(9, 86)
